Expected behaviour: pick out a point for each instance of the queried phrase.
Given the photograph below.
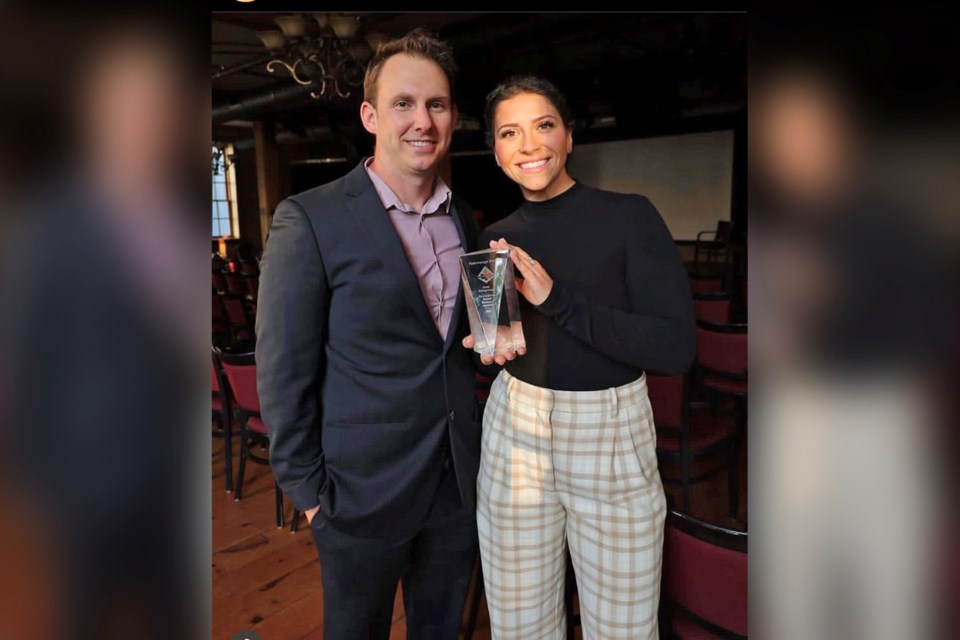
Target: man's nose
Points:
(422, 119)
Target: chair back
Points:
(700, 284)
(241, 371)
(722, 349)
(712, 307)
(723, 231)
(253, 285)
(219, 312)
(219, 282)
(666, 395)
(235, 283)
(239, 318)
(220, 319)
(705, 578)
(715, 248)
(249, 267)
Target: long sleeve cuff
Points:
(556, 303)
(306, 494)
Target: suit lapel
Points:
(366, 207)
(452, 330)
(455, 213)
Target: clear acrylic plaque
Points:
(490, 293)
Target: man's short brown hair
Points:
(418, 43)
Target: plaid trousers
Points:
(577, 468)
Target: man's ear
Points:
(368, 116)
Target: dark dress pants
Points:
(435, 564)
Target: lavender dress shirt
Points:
(430, 240)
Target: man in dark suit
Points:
(367, 395)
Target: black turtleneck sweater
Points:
(620, 302)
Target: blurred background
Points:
(104, 138)
(855, 233)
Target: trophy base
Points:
(502, 348)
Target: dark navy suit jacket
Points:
(362, 397)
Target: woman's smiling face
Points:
(531, 145)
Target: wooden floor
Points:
(268, 579)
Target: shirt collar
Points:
(438, 202)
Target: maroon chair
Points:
(712, 307)
(722, 374)
(219, 282)
(715, 249)
(222, 412)
(722, 357)
(704, 592)
(239, 318)
(235, 284)
(241, 370)
(220, 325)
(686, 433)
(253, 286)
(705, 283)
(249, 267)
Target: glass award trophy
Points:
(491, 296)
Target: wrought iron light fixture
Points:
(335, 58)
(221, 159)
(217, 160)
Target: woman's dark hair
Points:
(514, 86)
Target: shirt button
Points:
(452, 416)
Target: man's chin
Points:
(424, 165)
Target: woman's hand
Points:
(500, 358)
(536, 284)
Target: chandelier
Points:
(221, 159)
(334, 58)
(218, 160)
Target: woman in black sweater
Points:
(568, 454)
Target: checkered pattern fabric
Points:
(577, 468)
